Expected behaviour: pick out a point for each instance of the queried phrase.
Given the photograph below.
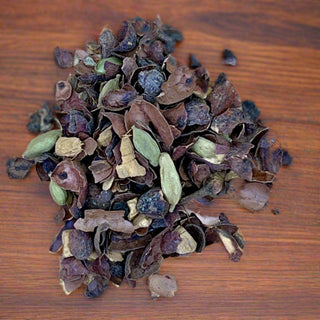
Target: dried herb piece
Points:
(95, 217)
(144, 112)
(151, 82)
(63, 58)
(129, 166)
(68, 147)
(223, 96)
(198, 112)
(152, 204)
(72, 274)
(127, 38)
(77, 243)
(18, 168)
(229, 58)
(110, 85)
(275, 212)
(179, 86)
(107, 42)
(96, 286)
(250, 108)
(41, 120)
(208, 151)
(252, 196)
(187, 244)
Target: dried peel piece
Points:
(162, 286)
(145, 112)
(68, 147)
(129, 166)
(179, 86)
(95, 217)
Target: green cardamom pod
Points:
(110, 85)
(170, 181)
(41, 144)
(59, 195)
(207, 150)
(146, 145)
(99, 68)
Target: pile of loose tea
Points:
(132, 138)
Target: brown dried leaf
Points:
(69, 175)
(117, 121)
(145, 112)
(223, 96)
(101, 170)
(96, 217)
(179, 86)
(177, 116)
(117, 100)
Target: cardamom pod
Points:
(112, 84)
(170, 181)
(58, 194)
(41, 144)
(207, 150)
(146, 145)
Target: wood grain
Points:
(277, 44)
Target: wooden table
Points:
(277, 44)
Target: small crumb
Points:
(286, 158)
(194, 62)
(251, 109)
(229, 58)
(275, 212)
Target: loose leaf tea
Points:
(138, 136)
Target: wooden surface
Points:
(277, 44)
